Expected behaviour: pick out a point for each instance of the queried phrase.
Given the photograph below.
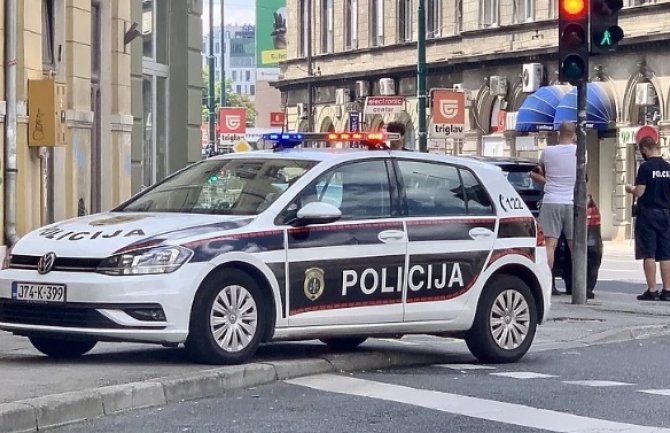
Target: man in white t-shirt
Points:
(558, 172)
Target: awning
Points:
(598, 108)
(538, 110)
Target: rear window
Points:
(519, 178)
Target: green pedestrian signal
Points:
(605, 31)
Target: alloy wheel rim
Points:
(233, 318)
(510, 319)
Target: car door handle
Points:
(391, 235)
(480, 232)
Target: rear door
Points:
(349, 272)
(450, 225)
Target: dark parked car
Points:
(517, 173)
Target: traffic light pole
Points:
(212, 111)
(580, 203)
(421, 76)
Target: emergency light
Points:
(371, 140)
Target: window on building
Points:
(376, 26)
(234, 75)
(252, 90)
(433, 18)
(524, 11)
(350, 24)
(489, 13)
(217, 48)
(553, 9)
(404, 14)
(155, 38)
(327, 18)
(239, 89)
(459, 16)
(96, 31)
(48, 58)
(247, 75)
(303, 14)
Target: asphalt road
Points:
(616, 387)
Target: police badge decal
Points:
(314, 283)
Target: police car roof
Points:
(334, 154)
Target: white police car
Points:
(292, 244)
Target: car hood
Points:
(100, 235)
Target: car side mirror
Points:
(317, 213)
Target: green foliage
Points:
(232, 99)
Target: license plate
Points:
(38, 292)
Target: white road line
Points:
(491, 410)
(596, 383)
(665, 392)
(523, 375)
(463, 367)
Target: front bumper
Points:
(147, 308)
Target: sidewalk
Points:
(38, 392)
(619, 248)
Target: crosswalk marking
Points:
(596, 383)
(523, 375)
(464, 367)
(491, 410)
(665, 392)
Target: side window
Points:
(478, 201)
(360, 190)
(432, 189)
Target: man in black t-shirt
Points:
(652, 227)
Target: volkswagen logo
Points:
(46, 263)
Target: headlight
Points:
(160, 260)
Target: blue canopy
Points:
(598, 108)
(538, 110)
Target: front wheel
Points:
(505, 322)
(227, 320)
(60, 347)
(343, 344)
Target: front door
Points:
(348, 272)
(451, 230)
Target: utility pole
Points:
(310, 71)
(579, 256)
(212, 111)
(222, 102)
(421, 96)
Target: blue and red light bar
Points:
(368, 139)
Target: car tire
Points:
(343, 344)
(228, 319)
(501, 334)
(61, 347)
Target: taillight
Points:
(592, 216)
(540, 236)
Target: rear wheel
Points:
(343, 344)
(505, 322)
(227, 319)
(61, 347)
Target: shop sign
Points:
(384, 104)
(447, 114)
(627, 135)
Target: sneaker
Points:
(665, 295)
(591, 295)
(648, 296)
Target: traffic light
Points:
(605, 31)
(573, 43)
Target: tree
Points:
(232, 99)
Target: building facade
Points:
(77, 48)
(239, 53)
(166, 83)
(499, 52)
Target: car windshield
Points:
(222, 186)
(520, 180)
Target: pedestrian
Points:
(397, 128)
(557, 171)
(652, 227)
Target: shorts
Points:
(652, 234)
(556, 218)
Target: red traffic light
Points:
(573, 8)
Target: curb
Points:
(57, 410)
